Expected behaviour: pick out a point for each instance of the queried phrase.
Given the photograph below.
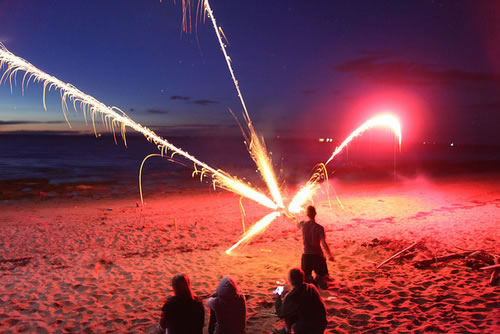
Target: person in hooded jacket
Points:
(182, 313)
(228, 309)
(302, 309)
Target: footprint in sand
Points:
(419, 301)
(399, 301)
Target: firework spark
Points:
(312, 186)
(384, 120)
(256, 145)
(308, 190)
(114, 117)
(257, 228)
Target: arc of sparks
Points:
(256, 146)
(310, 188)
(383, 120)
(112, 117)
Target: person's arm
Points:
(327, 249)
(163, 320)
(211, 302)
(300, 223)
(278, 304)
(288, 308)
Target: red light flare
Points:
(410, 109)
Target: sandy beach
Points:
(94, 263)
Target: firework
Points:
(308, 190)
(114, 117)
(256, 144)
(257, 228)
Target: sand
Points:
(101, 264)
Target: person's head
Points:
(227, 288)
(311, 212)
(296, 276)
(182, 285)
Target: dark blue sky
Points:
(314, 68)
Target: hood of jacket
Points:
(227, 289)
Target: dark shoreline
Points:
(42, 189)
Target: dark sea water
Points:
(85, 159)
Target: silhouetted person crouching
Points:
(302, 309)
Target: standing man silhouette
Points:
(313, 235)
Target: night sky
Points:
(306, 68)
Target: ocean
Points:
(81, 159)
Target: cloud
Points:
(194, 126)
(29, 122)
(381, 68)
(201, 102)
(157, 111)
(205, 102)
(45, 132)
(197, 129)
(180, 97)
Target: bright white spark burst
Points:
(114, 117)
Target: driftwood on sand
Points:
(495, 266)
(480, 256)
(397, 254)
(428, 262)
(494, 274)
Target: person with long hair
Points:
(182, 313)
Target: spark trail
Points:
(261, 157)
(257, 228)
(112, 117)
(256, 145)
(312, 186)
(384, 120)
(307, 191)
